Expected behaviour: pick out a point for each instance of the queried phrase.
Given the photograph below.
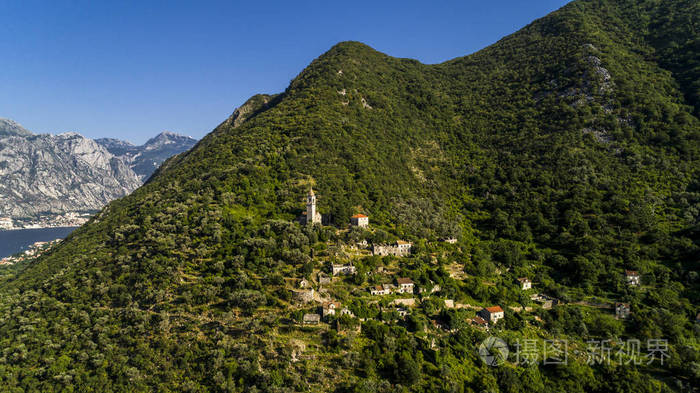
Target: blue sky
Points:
(130, 69)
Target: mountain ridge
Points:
(10, 127)
(146, 158)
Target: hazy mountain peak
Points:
(144, 159)
(167, 138)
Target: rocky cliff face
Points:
(54, 174)
(50, 175)
(10, 127)
(145, 159)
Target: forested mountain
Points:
(567, 152)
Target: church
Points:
(311, 216)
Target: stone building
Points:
(343, 269)
(346, 311)
(305, 295)
(312, 319)
(525, 283)
(405, 285)
(398, 249)
(329, 308)
(380, 290)
(492, 314)
(359, 220)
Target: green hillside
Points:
(567, 153)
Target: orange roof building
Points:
(359, 220)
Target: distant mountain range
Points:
(43, 176)
(145, 159)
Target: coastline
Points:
(41, 227)
(20, 240)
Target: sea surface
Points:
(14, 241)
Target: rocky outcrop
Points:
(250, 108)
(10, 127)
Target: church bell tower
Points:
(312, 215)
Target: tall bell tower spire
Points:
(312, 215)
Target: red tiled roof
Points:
(479, 320)
(404, 280)
(359, 216)
(378, 288)
(402, 242)
(494, 309)
(631, 272)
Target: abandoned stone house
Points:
(405, 285)
(329, 308)
(492, 314)
(359, 220)
(323, 278)
(346, 311)
(342, 269)
(305, 295)
(311, 319)
(429, 289)
(380, 290)
(404, 302)
(545, 301)
(398, 249)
